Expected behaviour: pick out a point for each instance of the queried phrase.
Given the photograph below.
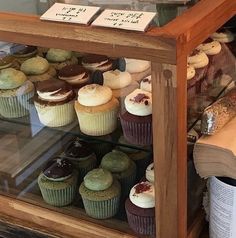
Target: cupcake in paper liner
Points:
(81, 155)
(140, 209)
(38, 69)
(60, 58)
(58, 182)
(15, 93)
(96, 110)
(54, 103)
(136, 121)
(100, 194)
(122, 168)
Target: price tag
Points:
(70, 13)
(129, 20)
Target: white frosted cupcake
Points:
(97, 110)
(138, 69)
(146, 84)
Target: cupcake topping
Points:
(74, 74)
(198, 59)
(139, 103)
(53, 90)
(210, 47)
(98, 179)
(223, 35)
(115, 161)
(58, 169)
(136, 66)
(94, 95)
(78, 149)
(143, 195)
(11, 78)
(94, 62)
(150, 173)
(25, 49)
(190, 72)
(146, 84)
(58, 55)
(116, 79)
(35, 66)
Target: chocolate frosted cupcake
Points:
(97, 110)
(140, 209)
(58, 182)
(97, 62)
(137, 120)
(122, 168)
(100, 194)
(38, 69)
(139, 69)
(60, 58)
(15, 93)
(146, 84)
(54, 103)
(75, 75)
(81, 155)
(25, 52)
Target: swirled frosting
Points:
(198, 59)
(116, 79)
(150, 173)
(190, 72)
(223, 36)
(98, 179)
(210, 47)
(146, 84)
(94, 95)
(136, 66)
(143, 195)
(139, 103)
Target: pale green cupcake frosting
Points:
(11, 78)
(115, 161)
(58, 55)
(34, 66)
(98, 180)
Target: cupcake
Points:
(146, 84)
(7, 61)
(97, 110)
(54, 103)
(58, 182)
(100, 194)
(199, 61)
(75, 75)
(140, 209)
(136, 121)
(138, 69)
(149, 173)
(37, 69)
(97, 62)
(60, 58)
(122, 168)
(25, 52)
(81, 155)
(15, 93)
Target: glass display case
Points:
(78, 101)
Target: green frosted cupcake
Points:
(15, 93)
(58, 182)
(122, 168)
(81, 155)
(100, 194)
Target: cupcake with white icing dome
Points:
(97, 110)
(138, 69)
(146, 84)
(54, 103)
(136, 121)
(58, 182)
(100, 194)
(140, 209)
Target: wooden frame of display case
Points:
(167, 47)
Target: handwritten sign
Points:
(70, 13)
(129, 20)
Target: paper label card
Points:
(70, 13)
(129, 20)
